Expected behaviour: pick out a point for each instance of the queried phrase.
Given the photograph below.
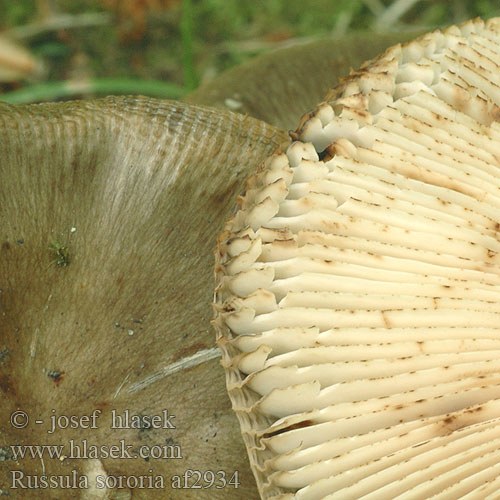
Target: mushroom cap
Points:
(128, 192)
(280, 86)
(358, 284)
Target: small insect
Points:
(56, 376)
(62, 256)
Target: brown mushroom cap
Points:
(280, 86)
(133, 189)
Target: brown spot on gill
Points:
(328, 153)
(477, 409)
(420, 444)
(288, 243)
(295, 134)
(298, 425)
(387, 323)
(455, 422)
(227, 308)
(495, 113)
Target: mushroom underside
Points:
(358, 285)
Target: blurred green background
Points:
(166, 48)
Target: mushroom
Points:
(280, 86)
(107, 214)
(357, 299)
(105, 280)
